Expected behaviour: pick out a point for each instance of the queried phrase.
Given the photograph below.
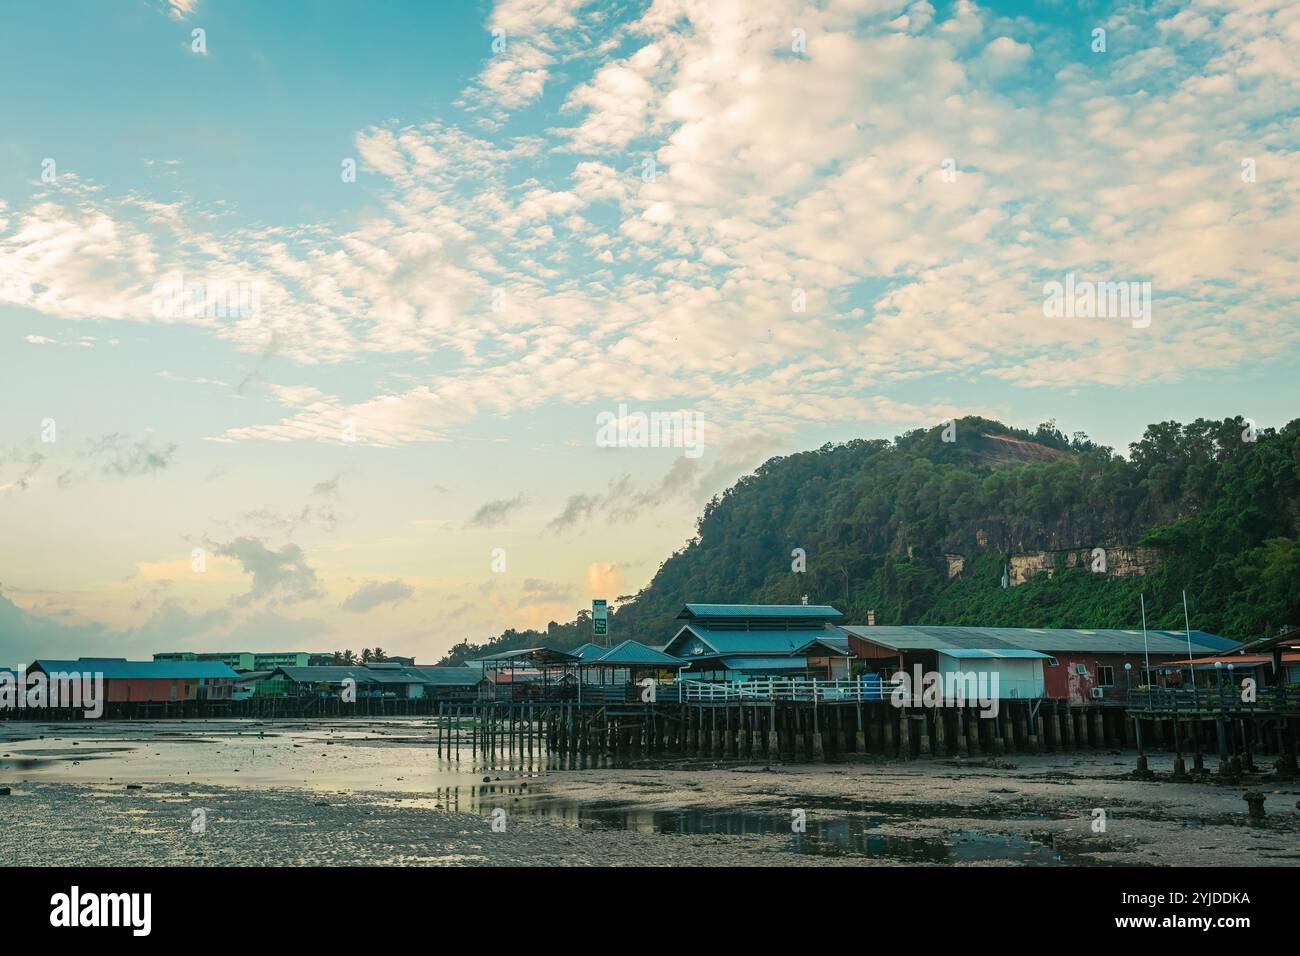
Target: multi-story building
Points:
(243, 661)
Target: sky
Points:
(313, 314)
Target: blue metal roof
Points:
(634, 653)
(588, 651)
(118, 668)
(727, 641)
(1205, 639)
(759, 610)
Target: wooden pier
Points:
(775, 729)
(1236, 727)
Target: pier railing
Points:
(1228, 699)
(792, 688)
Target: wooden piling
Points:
(1066, 721)
(773, 748)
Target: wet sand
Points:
(1049, 800)
(377, 793)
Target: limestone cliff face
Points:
(956, 564)
(1114, 561)
(1025, 534)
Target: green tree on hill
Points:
(1218, 501)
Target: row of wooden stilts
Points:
(1237, 739)
(801, 731)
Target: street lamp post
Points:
(1137, 723)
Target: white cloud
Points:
(579, 281)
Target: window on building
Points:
(1081, 670)
(1105, 676)
(1053, 662)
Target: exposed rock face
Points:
(999, 450)
(956, 564)
(1117, 562)
(1025, 566)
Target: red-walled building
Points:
(148, 681)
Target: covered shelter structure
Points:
(1282, 652)
(621, 670)
(446, 682)
(530, 673)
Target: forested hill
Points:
(920, 529)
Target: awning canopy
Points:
(765, 663)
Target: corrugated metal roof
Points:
(450, 676)
(336, 674)
(634, 653)
(1061, 640)
(759, 610)
(588, 651)
(1012, 653)
(118, 668)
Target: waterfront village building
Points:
(1081, 666)
(748, 641)
(149, 681)
(751, 642)
(376, 679)
(739, 642)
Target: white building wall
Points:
(1017, 678)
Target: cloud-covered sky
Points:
(308, 310)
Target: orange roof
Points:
(1288, 657)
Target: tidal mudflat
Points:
(358, 792)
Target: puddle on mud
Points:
(838, 830)
(845, 836)
(841, 836)
(923, 811)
